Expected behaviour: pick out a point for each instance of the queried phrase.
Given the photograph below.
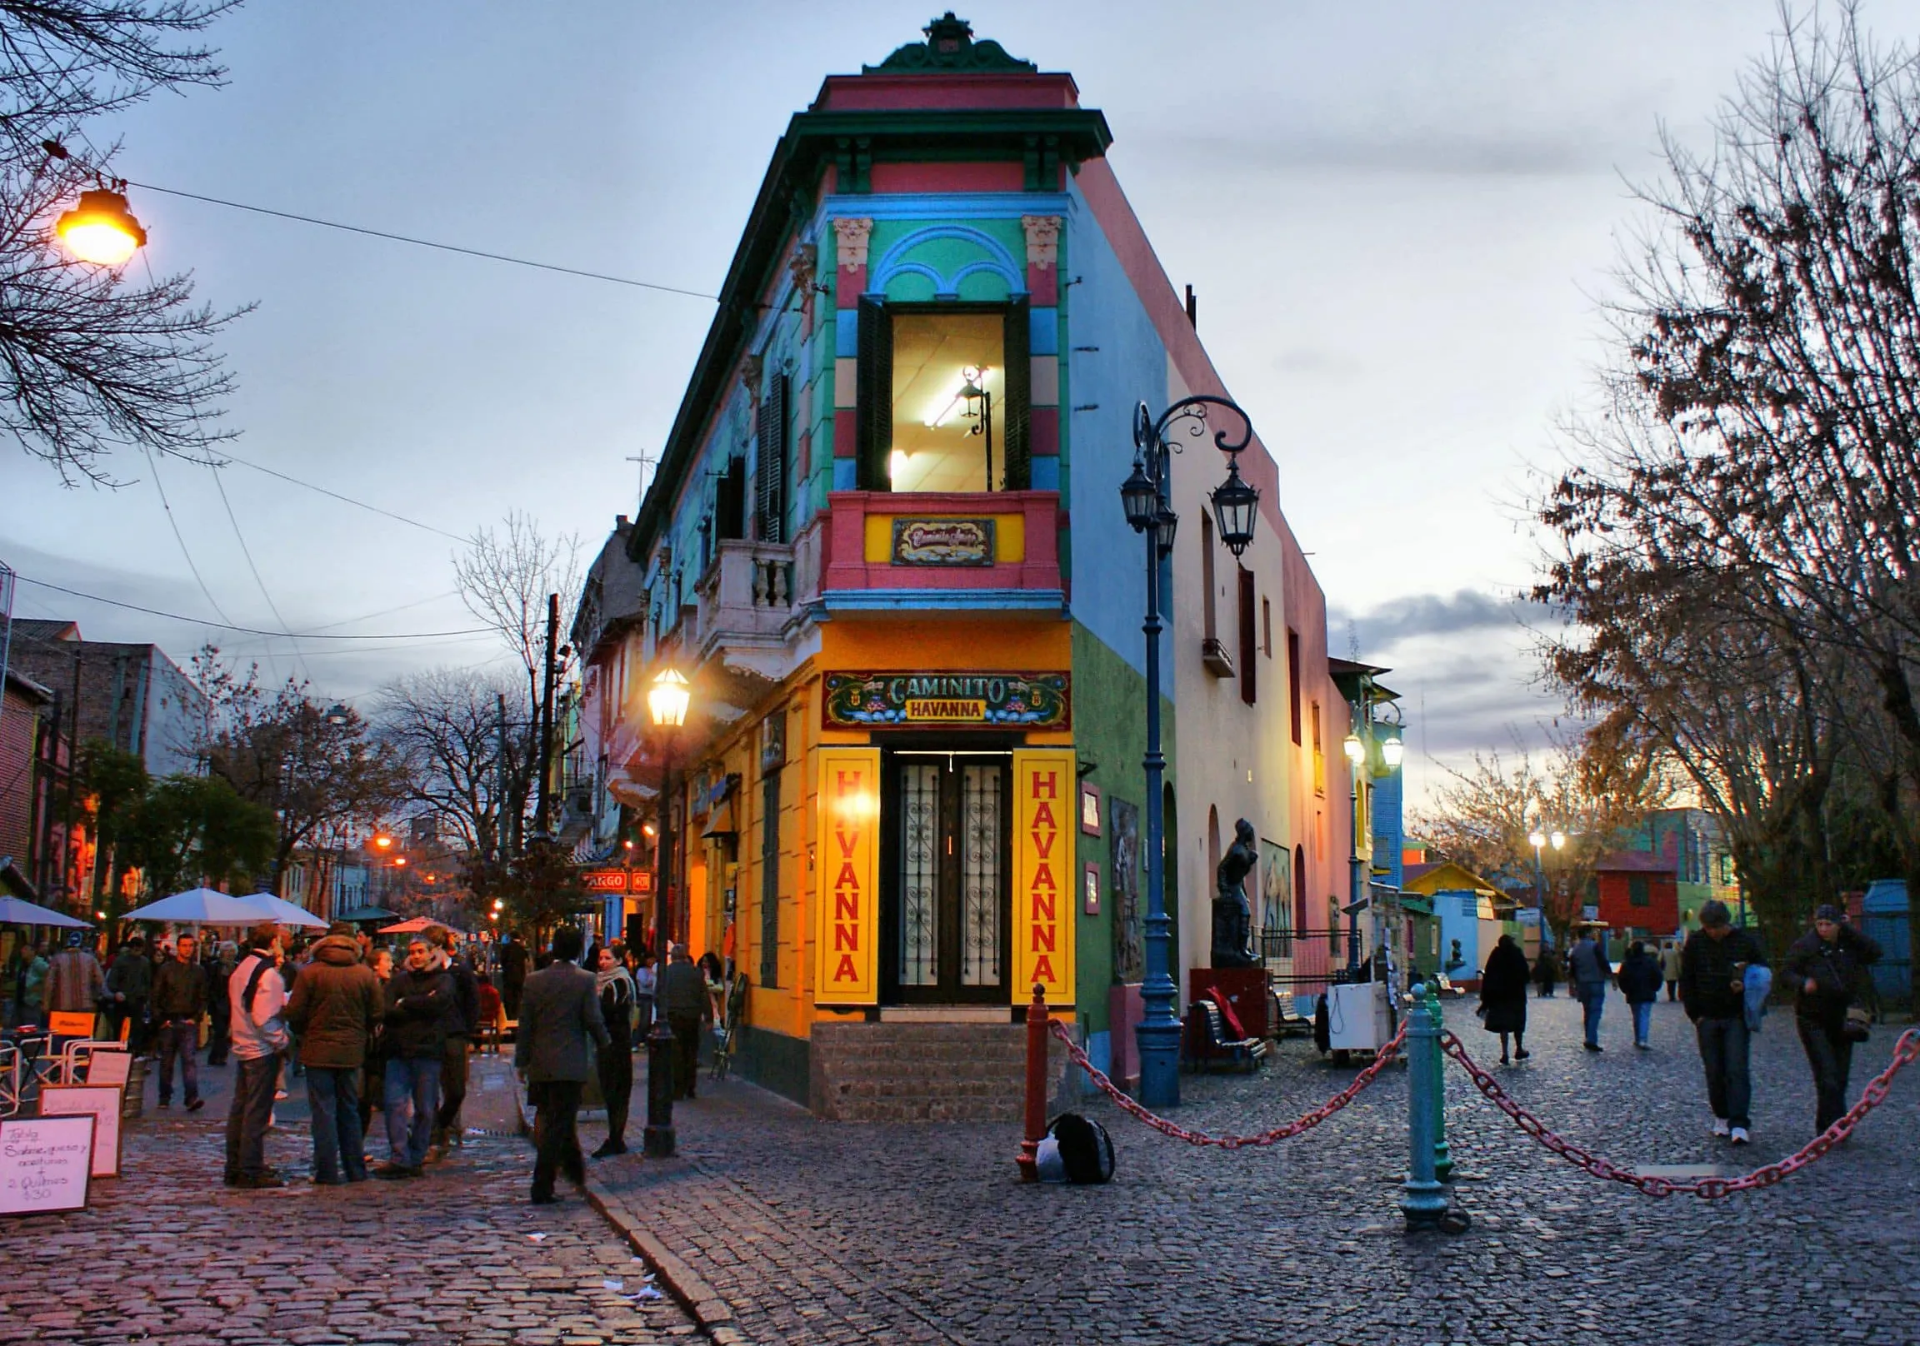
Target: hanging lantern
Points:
(101, 229)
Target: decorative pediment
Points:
(949, 47)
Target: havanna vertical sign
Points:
(1044, 799)
(847, 935)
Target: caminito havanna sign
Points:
(947, 700)
(1043, 891)
(847, 935)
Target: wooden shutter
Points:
(1016, 416)
(770, 475)
(1249, 634)
(873, 389)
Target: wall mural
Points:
(1129, 946)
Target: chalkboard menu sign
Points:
(44, 1164)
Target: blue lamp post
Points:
(1145, 496)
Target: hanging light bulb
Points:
(101, 229)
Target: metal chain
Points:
(1905, 1052)
(1320, 1114)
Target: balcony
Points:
(920, 552)
(746, 603)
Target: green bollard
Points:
(1442, 1156)
(1423, 1201)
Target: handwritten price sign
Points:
(44, 1164)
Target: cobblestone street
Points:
(812, 1232)
(165, 1253)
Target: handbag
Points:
(1859, 1024)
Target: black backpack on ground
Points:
(1086, 1151)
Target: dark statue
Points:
(1232, 918)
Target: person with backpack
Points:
(1827, 967)
(257, 997)
(1640, 980)
(1713, 988)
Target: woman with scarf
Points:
(617, 1000)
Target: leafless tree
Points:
(91, 360)
(447, 727)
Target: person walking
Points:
(644, 980)
(31, 1001)
(615, 987)
(1591, 972)
(681, 995)
(129, 983)
(1713, 988)
(513, 973)
(179, 999)
(1639, 980)
(373, 1073)
(559, 1015)
(336, 1003)
(1503, 996)
(463, 1019)
(1670, 967)
(219, 1007)
(1545, 974)
(75, 983)
(1828, 966)
(260, 1035)
(418, 1001)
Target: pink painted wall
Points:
(870, 93)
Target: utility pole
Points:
(503, 826)
(543, 814)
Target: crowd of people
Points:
(366, 1028)
(1722, 979)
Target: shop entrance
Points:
(945, 884)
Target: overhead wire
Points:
(428, 243)
(180, 538)
(246, 551)
(254, 630)
(229, 455)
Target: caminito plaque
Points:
(943, 542)
(947, 700)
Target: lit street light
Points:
(101, 229)
(667, 703)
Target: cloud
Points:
(1403, 619)
(1400, 153)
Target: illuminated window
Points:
(942, 397)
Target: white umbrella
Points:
(281, 911)
(197, 906)
(15, 911)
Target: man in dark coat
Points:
(1640, 980)
(336, 1004)
(683, 998)
(129, 983)
(513, 973)
(559, 1016)
(179, 999)
(463, 1016)
(417, 999)
(1713, 967)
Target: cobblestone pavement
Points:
(820, 1232)
(165, 1253)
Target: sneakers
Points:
(1740, 1136)
(195, 1104)
(1644, 1046)
(1720, 1127)
(1593, 1047)
(166, 1102)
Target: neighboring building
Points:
(1470, 911)
(23, 704)
(1637, 894)
(130, 695)
(886, 545)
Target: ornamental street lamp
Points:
(101, 229)
(667, 704)
(1145, 497)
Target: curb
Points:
(711, 1314)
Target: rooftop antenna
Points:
(644, 460)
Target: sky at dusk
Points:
(1400, 220)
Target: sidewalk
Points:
(798, 1231)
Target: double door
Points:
(945, 902)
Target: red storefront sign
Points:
(617, 880)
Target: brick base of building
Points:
(922, 1072)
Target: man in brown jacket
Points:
(336, 1003)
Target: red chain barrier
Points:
(1178, 1132)
(1905, 1052)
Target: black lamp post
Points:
(1145, 498)
(667, 704)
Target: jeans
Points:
(1643, 1022)
(556, 1136)
(1831, 1056)
(412, 1092)
(333, 1096)
(1593, 1002)
(453, 1091)
(180, 1037)
(253, 1079)
(1723, 1052)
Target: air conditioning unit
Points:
(580, 801)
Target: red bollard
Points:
(1036, 1086)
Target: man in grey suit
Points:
(559, 1012)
